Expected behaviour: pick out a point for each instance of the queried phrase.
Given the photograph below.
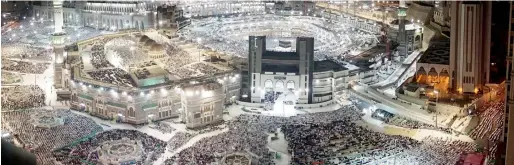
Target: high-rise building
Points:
(508, 136)
(470, 38)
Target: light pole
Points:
(394, 160)
(384, 18)
(199, 40)
(132, 50)
(436, 100)
(120, 117)
(150, 119)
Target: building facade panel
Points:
(469, 47)
(276, 73)
(203, 104)
(107, 15)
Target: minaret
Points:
(58, 16)
(402, 37)
(58, 43)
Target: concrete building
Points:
(508, 133)
(294, 8)
(441, 17)
(361, 23)
(202, 103)
(170, 16)
(111, 15)
(156, 102)
(153, 94)
(469, 48)
(214, 8)
(412, 32)
(433, 65)
(273, 72)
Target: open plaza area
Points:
(237, 83)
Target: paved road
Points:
(399, 72)
(394, 106)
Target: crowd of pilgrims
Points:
(269, 100)
(23, 66)
(26, 51)
(490, 126)
(232, 37)
(413, 124)
(249, 133)
(22, 97)
(164, 128)
(104, 69)
(179, 139)
(9, 78)
(114, 76)
(98, 59)
(87, 149)
(337, 140)
(42, 141)
(184, 65)
(177, 61)
(431, 151)
(204, 69)
(126, 49)
(208, 128)
(328, 137)
(37, 32)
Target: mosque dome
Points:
(157, 48)
(155, 51)
(143, 39)
(150, 42)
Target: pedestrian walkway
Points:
(167, 153)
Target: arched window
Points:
(421, 75)
(290, 84)
(433, 76)
(268, 84)
(74, 97)
(417, 38)
(132, 113)
(279, 84)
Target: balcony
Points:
(321, 89)
(321, 83)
